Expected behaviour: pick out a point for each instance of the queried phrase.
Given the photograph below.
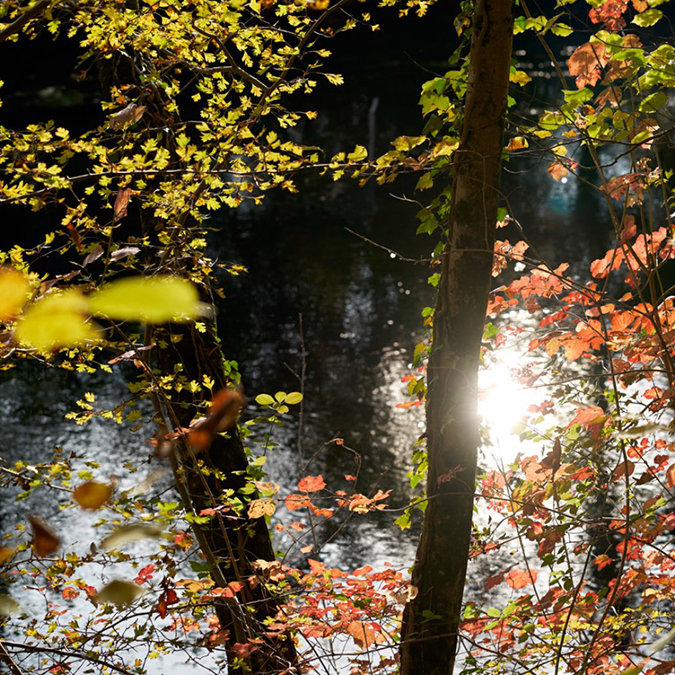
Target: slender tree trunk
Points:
(230, 542)
(431, 620)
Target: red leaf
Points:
(311, 484)
(670, 476)
(520, 578)
(145, 574)
(610, 13)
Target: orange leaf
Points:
(311, 484)
(45, 542)
(520, 578)
(574, 349)
(670, 476)
(92, 495)
(363, 633)
(591, 415)
(586, 62)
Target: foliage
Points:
(194, 120)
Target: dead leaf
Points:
(121, 203)
(45, 541)
(127, 116)
(93, 255)
(124, 252)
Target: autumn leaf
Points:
(363, 633)
(149, 299)
(590, 415)
(225, 408)
(259, 508)
(517, 143)
(145, 574)
(6, 554)
(557, 170)
(670, 476)
(91, 495)
(311, 484)
(57, 320)
(14, 292)
(518, 579)
(45, 542)
(586, 62)
(121, 203)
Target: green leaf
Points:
(648, 18)
(493, 612)
(653, 102)
(264, 399)
(561, 30)
(149, 299)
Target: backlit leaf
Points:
(311, 484)
(648, 18)
(148, 299)
(14, 291)
(92, 495)
(517, 579)
(57, 320)
(8, 605)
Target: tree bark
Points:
(230, 542)
(431, 620)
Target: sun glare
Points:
(502, 403)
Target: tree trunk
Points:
(230, 542)
(431, 620)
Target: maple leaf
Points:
(311, 483)
(586, 63)
(517, 579)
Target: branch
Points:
(18, 24)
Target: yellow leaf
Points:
(517, 143)
(261, 507)
(92, 495)
(58, 320)
(14, 291)
(148, 299)
(6, 554)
